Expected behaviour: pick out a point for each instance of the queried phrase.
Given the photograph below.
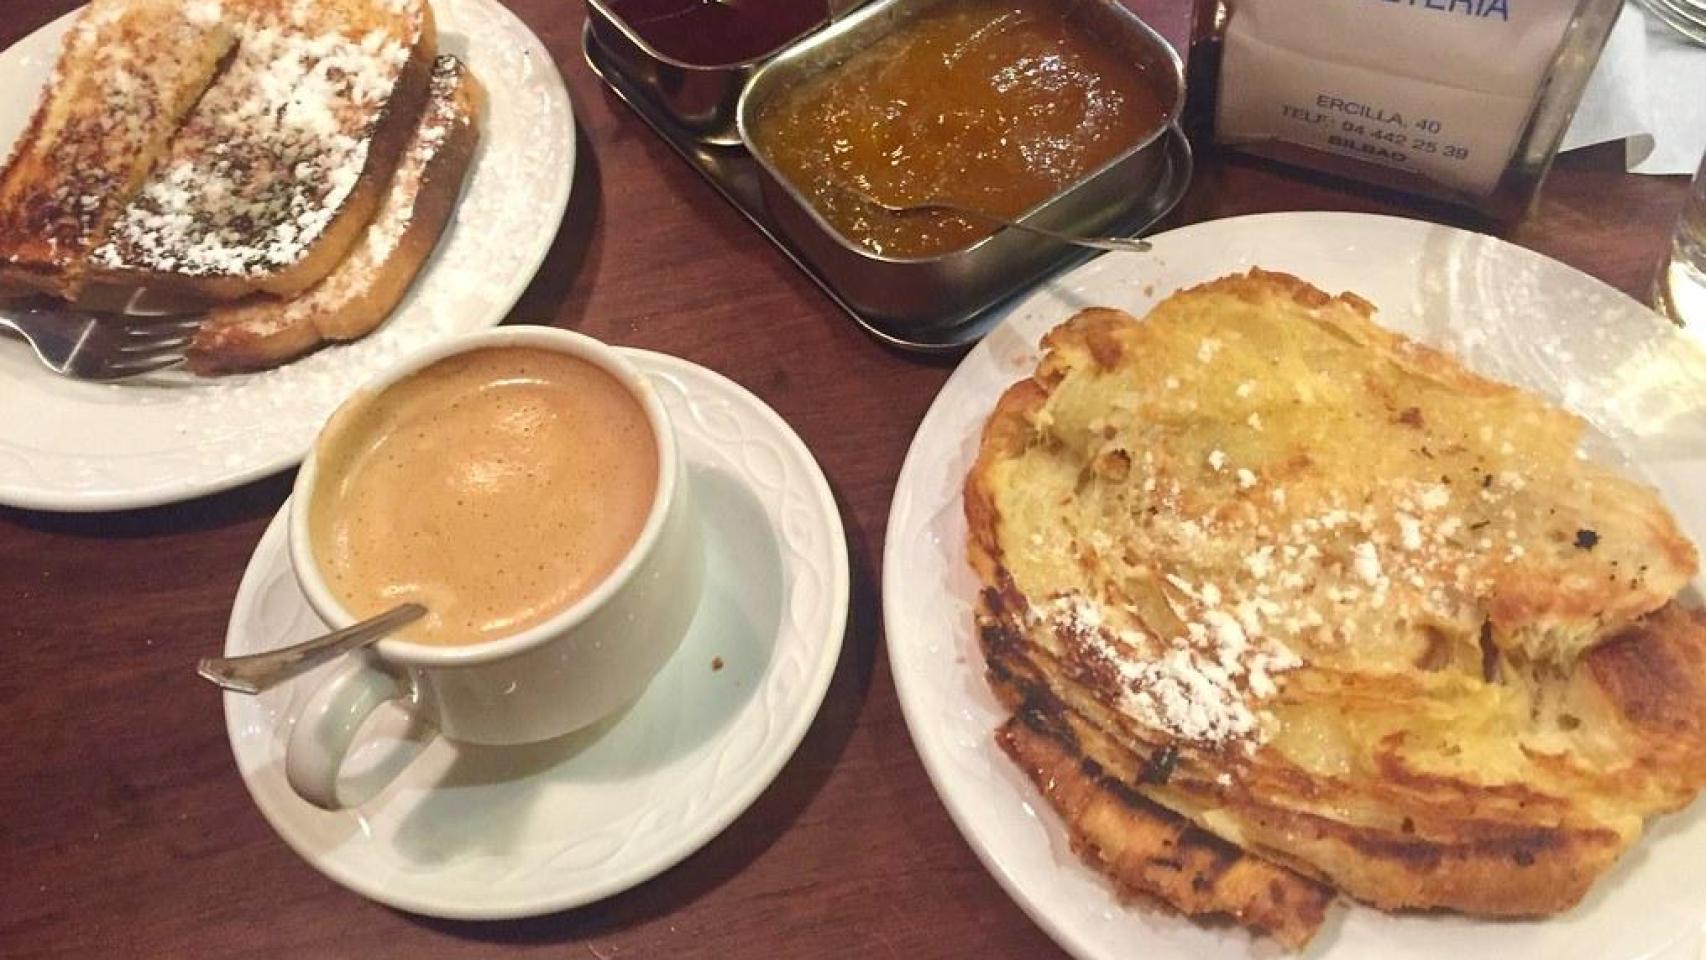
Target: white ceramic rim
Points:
(407, 652)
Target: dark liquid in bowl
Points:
(718, 32)
(993, 104)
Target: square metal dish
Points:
(738, 178)
(904, 293)
(701, 99)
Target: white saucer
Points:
(494, 833)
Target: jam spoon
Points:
(1125, 244)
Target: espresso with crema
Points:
(495, 487)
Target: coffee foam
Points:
(495, 487)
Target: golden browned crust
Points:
(1652, 675)
(456, 121)
(1594, 675)
(1005, 434)
(357, 297)
(1153, 853)
(127, 72)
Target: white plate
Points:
(485, 833)
(66, 445)
(1508, 312)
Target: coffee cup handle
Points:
(323, 727)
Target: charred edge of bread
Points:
(1153, 853)
(265, 331)
(1146, 849)
(1473, 864)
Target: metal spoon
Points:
(262, 671)
(1124, 244)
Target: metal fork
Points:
(89, 346)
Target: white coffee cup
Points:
(582, 664)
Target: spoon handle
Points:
(1125, 244)
(260, 671)
(1118, 244)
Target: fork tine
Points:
(89, 346)
(142, 349)
(145, 302)
(149, 328)
(135, 368)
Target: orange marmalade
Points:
(992, 104)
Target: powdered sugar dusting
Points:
(204, 13)
(501, 225)
(353, 279)
(1201, 686)
(267, 159)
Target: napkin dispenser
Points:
(1460, 100)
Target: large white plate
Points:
(486, 833)
(1507, 312)
(66, 445)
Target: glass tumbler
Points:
(1680, 292)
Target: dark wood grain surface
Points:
(125, 830)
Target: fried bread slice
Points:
(282, 163)
(128, 71)
(1153, 853)
(1373, 615)
(1400, 835)
(357, 296)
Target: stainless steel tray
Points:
(737, 176)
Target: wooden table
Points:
(125, 830)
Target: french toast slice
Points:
(361, 292)
(282, 163)
(128, 71)
(1369, 612)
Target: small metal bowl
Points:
(904, 293)
(702, 99)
